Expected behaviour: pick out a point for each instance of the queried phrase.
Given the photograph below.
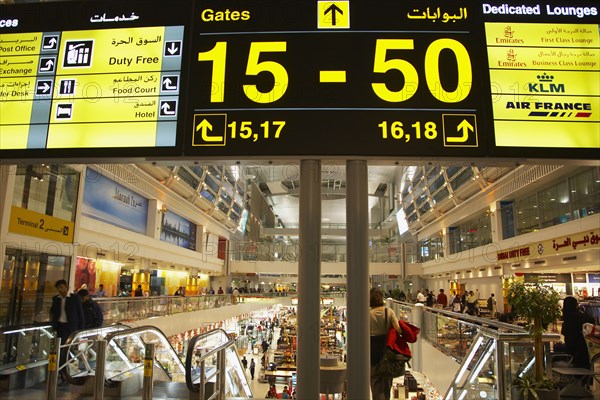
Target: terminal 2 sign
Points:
(229, 79)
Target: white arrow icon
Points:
(173, 48)
(44, 88)
(166, 109)
(51, 43)
(48, 65)
(167, 84)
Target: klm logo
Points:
(545, 85)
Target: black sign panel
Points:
(337, 78)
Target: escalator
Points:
(212, 364)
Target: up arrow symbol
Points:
(333, 9)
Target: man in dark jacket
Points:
(94, 316)
(66, 315)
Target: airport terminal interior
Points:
(199, 199)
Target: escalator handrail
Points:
(139, 329)
(190, 354)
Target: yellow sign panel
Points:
(542, 58)
(547, 134)
(333, 15)
(13, 136)
(148, 368)
(18, 44)
(547, 108)
(52, 361)
(542, 35)
(545, 82)
(528, 83)
(31, 223)
(111, 135)
(114, 50)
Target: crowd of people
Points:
(466, 301)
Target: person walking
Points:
(572, 330)
(491, 305)
(66, 314)
(245, 363)
(442, 299)
(139, 292)
(381, 320)
(252, 367)
(92, 312)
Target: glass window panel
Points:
(198, 170)
(554, 205)
(409, 209)
(47, 189)
(418, 186)
(441, 195)
(225, 198)
(216, 173)
(461, 178)
(237, 208)
(527, 215)
(412, 218)
(188, 177)
(451, 171)
(437, 183)
(208, 195)
(424, 208)
(223, 207)
(407, 200)
(210, 182)
(585, 193)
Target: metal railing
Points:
(490, 353)
(213, 367)
(118, 309)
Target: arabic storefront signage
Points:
(545, 73)
(561, 245)
(108, 201)
(31, 223)
(114, 84)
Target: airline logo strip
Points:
(544, 79)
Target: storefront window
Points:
(47, 189)
(554, 205)
(27, 287)
(470, 234)
(585, 193)
(527, 215)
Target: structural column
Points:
(309, 281)
(357, 262)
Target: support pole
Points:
(53, 365)
(99, 370)
(309, 281)
(148, 372)
(357, 261)
(221, 375)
